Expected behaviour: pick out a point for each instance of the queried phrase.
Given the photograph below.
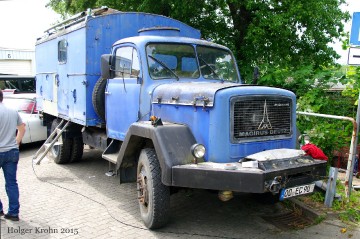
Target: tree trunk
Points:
(241, 18)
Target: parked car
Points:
(10, 84)
(25, 104)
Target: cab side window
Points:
(127, 63)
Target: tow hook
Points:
(275, 185)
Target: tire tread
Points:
(161, 193)
(98, 97)
(77, 150)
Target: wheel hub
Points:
(55, 149)
(143, 195)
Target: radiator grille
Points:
(261, 117)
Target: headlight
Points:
(198, 150)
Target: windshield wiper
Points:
(164, 65)
(212, 69)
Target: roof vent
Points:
(160, 31)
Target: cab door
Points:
(122, 95)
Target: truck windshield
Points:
(217, 63)
(170, 60)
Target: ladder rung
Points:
(48, 145)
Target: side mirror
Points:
(106, 61)
(256, 75)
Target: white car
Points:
(25, 104)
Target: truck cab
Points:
(196, 83)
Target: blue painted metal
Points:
(122, 104)
(87, 41)
(211, 125)
(46, 70)
(331, 187)
(355, 30)
(189, 93)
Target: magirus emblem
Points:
(265, 122)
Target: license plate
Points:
(296, 191)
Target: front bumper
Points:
(213, 176)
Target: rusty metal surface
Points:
(190, 93)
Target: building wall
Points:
(17, 61)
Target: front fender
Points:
(172, 143)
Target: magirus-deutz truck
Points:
(168, 110)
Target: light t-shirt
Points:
(9, 120)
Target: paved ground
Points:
(79, 201)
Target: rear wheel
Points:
(77, 149)
(153, 196)
(60, 153)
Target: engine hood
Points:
(190, 93)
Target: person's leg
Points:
(12, 189)
(2, 159)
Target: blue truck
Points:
(168, 109)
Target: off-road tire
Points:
(77, 149)
(98, 97)
(154, 212)
(60, 153)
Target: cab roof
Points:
(144, 40)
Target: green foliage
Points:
(328, 134)
(288, 34)
(349, 209)
(340, 187)
(350, 214)
(338, 205)
(319, 219)
(318, 197)
(304, 79)
(352, 82)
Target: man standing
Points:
(9, 156)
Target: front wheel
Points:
(153, 196)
